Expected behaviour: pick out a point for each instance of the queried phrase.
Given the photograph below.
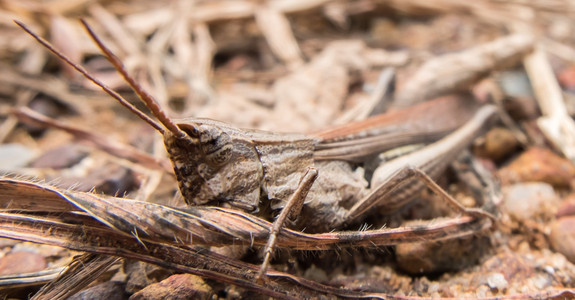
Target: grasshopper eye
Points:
(216, 145)
(221, 156)
(190, 129)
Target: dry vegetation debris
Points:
(284, 66)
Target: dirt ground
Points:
(90, 206)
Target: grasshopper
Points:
(307, 175)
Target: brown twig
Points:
(27, 115)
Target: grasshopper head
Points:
(212, 167)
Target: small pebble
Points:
(140, 275)
(522, 108)
(549, 269)
(109, 179)
(515, 83)
(526, 201)
(22, 262)
(110, 290)
(542, 165)
(497, 281)
(562, 237)
(14, 156)
(499, 143)
(567, 78)
(514, 267)
(181, 286)
(541, 281)
(567, 207)
(60, 157)
(482, 291)
(316, 274)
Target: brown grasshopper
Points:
(218, 164)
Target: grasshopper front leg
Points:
(292, 208)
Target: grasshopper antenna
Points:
(144, 96)
(83, 71)
(103, 86)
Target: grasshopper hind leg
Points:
(379, 196)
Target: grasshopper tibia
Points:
(290, 210)
(407, 174)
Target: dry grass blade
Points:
(555, 123)
(276, 28)
(48, 85)
(21, 195)
(221, 60)
(81, 272)
(15, 281)
(213, 226)
(105, 144)
(192, 260)
(452, 72)
(88, 238)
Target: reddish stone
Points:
(538, 164)
(567, 207)
(110, 290)
(562, 237)
(21, 262)
(181, 286)
(530, 201)
(567, 78)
